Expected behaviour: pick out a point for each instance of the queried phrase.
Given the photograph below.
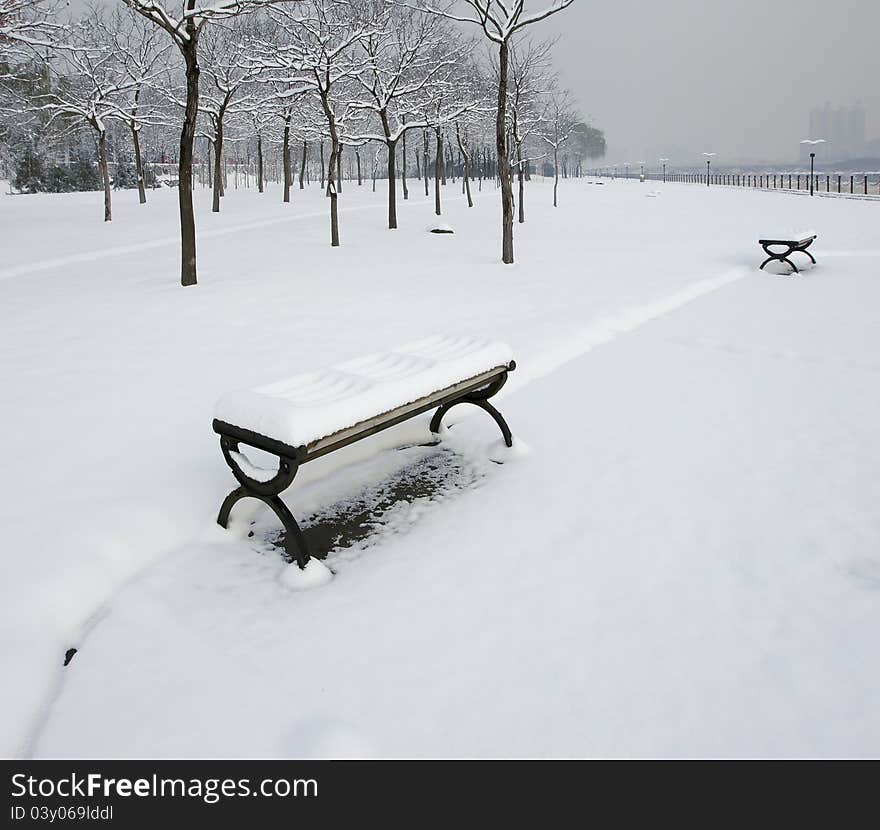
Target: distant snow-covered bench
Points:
(796, 242)
(313, 414)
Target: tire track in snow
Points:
(610, 326)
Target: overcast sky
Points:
(737, 77)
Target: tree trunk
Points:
(322, 165)
(501, 150)
(218, 156)
(438, 171)
(465, 173)
(138, 163)
(521, 178)
(339, 170)
(392, 186)
(184, 172)
(331, 189)
(357, 155)
(334, 153)
(285, 158)
(391, 147)
(403, 170)
(555, 174)
(425, 160)
(302, 166)
(105, 173)
(418, 166)
(260, 162)
(442, 165)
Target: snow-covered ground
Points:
(682, 558)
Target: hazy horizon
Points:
(737, 79)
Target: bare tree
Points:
(93, 89)
(317, 56)
(141, 55)
(559, 122)
(450, 101)
(260, 119)
(227, 78)
(409, 55)
(530, 79)
(185, 31)
(471, 123)
(500, 20)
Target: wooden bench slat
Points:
(401, 413)
(801, 241)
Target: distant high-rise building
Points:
(843, 129)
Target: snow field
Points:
(684, 564)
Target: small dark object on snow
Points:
(443, 229)
(68, 655)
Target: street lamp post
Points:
(708, 165)
(812, 142)
(663, 162)
(642, 166)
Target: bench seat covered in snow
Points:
(796, 242)
(315, 413)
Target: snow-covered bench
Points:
(797, 242)
(313, 414)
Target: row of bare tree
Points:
(345, 73)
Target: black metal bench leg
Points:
(484, 405)
(782, 257)
(268, 493)
(294, 543)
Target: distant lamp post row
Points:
(708, 165)
(641, 164)
(709, 156)
(812, 142)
